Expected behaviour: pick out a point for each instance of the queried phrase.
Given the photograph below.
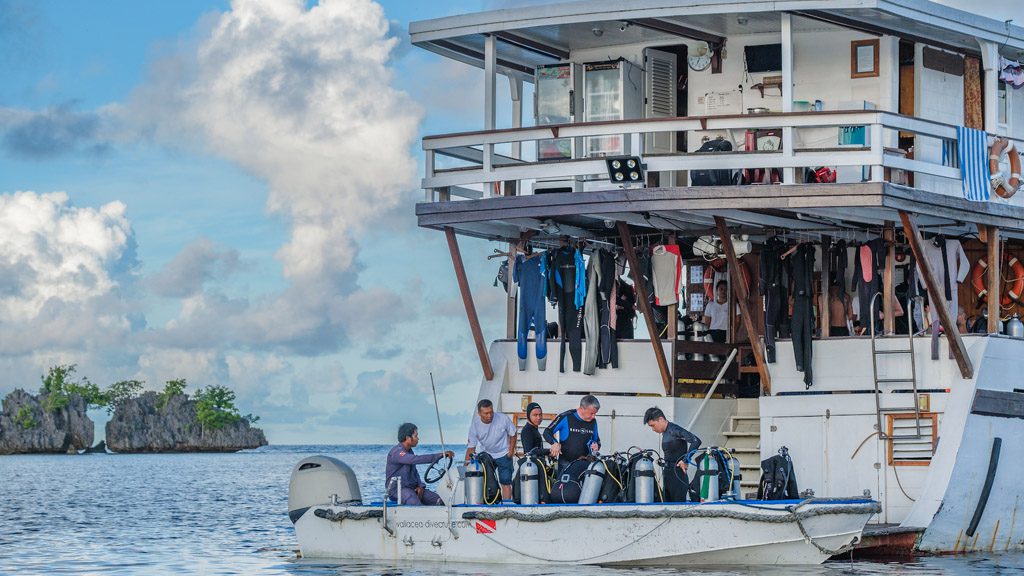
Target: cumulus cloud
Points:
(51, 132)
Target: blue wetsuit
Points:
(531, 275)
(574, 434)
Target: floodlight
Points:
(626, 169)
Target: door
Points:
(659, 98)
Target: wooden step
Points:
(743, 434)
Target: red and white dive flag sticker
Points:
(486, 526)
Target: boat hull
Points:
(715, 533)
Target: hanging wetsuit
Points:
(676, 442)
(838, 261)
(574, 434)
(950, 266)
(659, 314)
(867, 281)
(803, 310)
(591, 314)
(625, 309)
(568, 290)
(774, 286)
(606, 287)
(531, 276)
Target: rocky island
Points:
(55, 420)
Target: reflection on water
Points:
(226, 514)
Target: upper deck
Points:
(874, 89)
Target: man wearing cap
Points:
(402, 463)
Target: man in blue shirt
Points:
(576, 432)
(402, 463)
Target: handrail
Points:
(714, 385)
(913, 368)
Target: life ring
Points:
(1003, 187)
(718, 265)
(1012, 292)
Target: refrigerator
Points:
(611, 91)
(556, 101)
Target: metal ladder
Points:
(909, 350)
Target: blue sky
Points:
(224, 191)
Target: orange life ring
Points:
(1002, 186)
(1014, 286)
(718, 265)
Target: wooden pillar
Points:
(937, 298)
(645, 306)
(994, 283)
(742, 293)
(826, 300)
(888, 291)
(467, 301)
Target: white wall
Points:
(940, 97)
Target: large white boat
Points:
(901, 109)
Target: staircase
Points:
(744, 439)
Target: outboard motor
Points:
(321, 480)
(529, 483)
(708, 476)
(643, 473)
(593, 479)
(474, 486)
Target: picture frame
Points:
(864, 58)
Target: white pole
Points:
(721, 374)
(789, 173)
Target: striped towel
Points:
(972, 148)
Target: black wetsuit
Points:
(676, 442)
(574, 434)
(530, 438)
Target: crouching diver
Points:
(676, 442)
(573, 433)
(402, 463)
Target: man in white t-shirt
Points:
(716, 313)
(494, 433)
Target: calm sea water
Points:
(226, 514)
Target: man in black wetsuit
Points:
(576, 432)
(530, 435)
(676, 442)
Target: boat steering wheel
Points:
(438, 469)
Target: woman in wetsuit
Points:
(530, 435)
(676, 442)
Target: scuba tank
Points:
(1014, 327)
(474, 482)
(708, 476)
(529, 483)
(593, 479)
(697, 334)
(737, 475)
(643, 473)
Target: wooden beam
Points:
(994, 284)
(888, 291)
(645, 308)
(742, 293)
(937, 299)
(826, 286)
(467, 301)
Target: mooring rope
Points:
(346, 514)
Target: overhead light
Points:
(550, 227)
(625, 169)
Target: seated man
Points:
(576, 432)
(402, 464)
(494, 433)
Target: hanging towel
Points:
(972, 147)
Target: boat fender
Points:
(1004, 187)
(321, 480)
(593, 481)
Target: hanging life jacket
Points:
(778, 482)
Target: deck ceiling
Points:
(800, 210)
(571, 26)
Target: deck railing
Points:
(485, 170)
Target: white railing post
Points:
(490, 79)
(788, 172)
(877, 151)
(428, 170)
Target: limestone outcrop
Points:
(28, 427)
(145, 424)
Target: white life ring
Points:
(1002, 186)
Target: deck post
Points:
(742, 293)
(645, 307)
(826, 286)
(994, 284)
(490, 82)
(935, 296)
(788, 174)
(467, 301)
(888, 292)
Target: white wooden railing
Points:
(486, 167)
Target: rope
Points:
(338, 516)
